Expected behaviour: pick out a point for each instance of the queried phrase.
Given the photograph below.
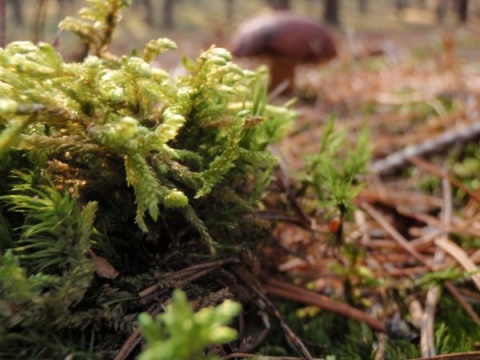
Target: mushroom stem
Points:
(282, 70)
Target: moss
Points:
(116, 174)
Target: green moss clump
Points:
(112, 174)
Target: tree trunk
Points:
(441, 11)
(65, 8)
(147, 7)
(422, 4)
(40, 18)
(167, 14)
(279, 4)
(462, 11)
(331, 14)
(229, 10)
(3, 23)
(363, 6)
(401, 4)
(17, 11)
(149, 12)
(311, 6)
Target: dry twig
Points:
(293, 340)
(419, 257)
(296, 293)
(427, 333)
(401, 158)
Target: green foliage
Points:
(439, 277)
(195, 130)
(96, 23)
(330, 334)
(48, 271)
(455, 331)
(333, 173)
(332, 178)
(169, 333)
(56, 234)
(465, 166)
(113, 163)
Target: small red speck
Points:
(334, 225)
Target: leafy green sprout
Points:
(333, 173)
(333, 177)
(167, 334)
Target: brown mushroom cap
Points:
(285, 34)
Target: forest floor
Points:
(420, 90)
(410, 87)
(415, 221)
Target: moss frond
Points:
(117, 161)
(96, 23)
(49, 262)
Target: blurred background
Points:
(393, 55)
(363, 27)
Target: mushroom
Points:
(286, 39)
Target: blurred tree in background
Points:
(168, 15)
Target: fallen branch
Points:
(401, 158)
